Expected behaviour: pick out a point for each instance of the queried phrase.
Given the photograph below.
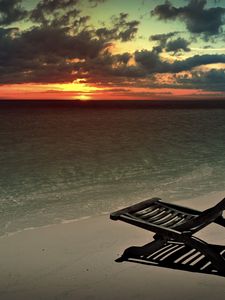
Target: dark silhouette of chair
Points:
(174, 244)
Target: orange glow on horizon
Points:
(77, 86)
(75, 90)
(80, 90)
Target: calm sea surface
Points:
(62, 164)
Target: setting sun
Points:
(83, 97)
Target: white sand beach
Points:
(76, 261)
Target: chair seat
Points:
(160, 213)
(155, 214)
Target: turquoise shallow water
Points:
(61, 164)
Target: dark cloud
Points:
(63, 47)
(11, 11)
(69, 19)
(197, 17)
(195, 61)
(151, 62)
(121, 29)
(162, 38)
(47, 11)
(178, 45)
(110, 68)
(168, 44)
(58, 13)
(50, 6)
(38, 55)
(48, 54)
(212, 80)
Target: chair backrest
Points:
(205, 218)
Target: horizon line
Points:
(115, 104)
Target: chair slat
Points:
(181, 221)
(151, 214)
(146, 210)
(163, 221)
(157, 217)
(174, 220)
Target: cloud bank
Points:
(60, 44)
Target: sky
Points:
(112, 49)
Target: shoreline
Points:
(76, 260)
(200, 203)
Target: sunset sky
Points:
(112, 49)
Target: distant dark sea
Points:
(122, 104)
(68, 160)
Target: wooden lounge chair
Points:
(174, 225)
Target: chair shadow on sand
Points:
(178, 256)
(175, 246)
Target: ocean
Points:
(61, 164)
